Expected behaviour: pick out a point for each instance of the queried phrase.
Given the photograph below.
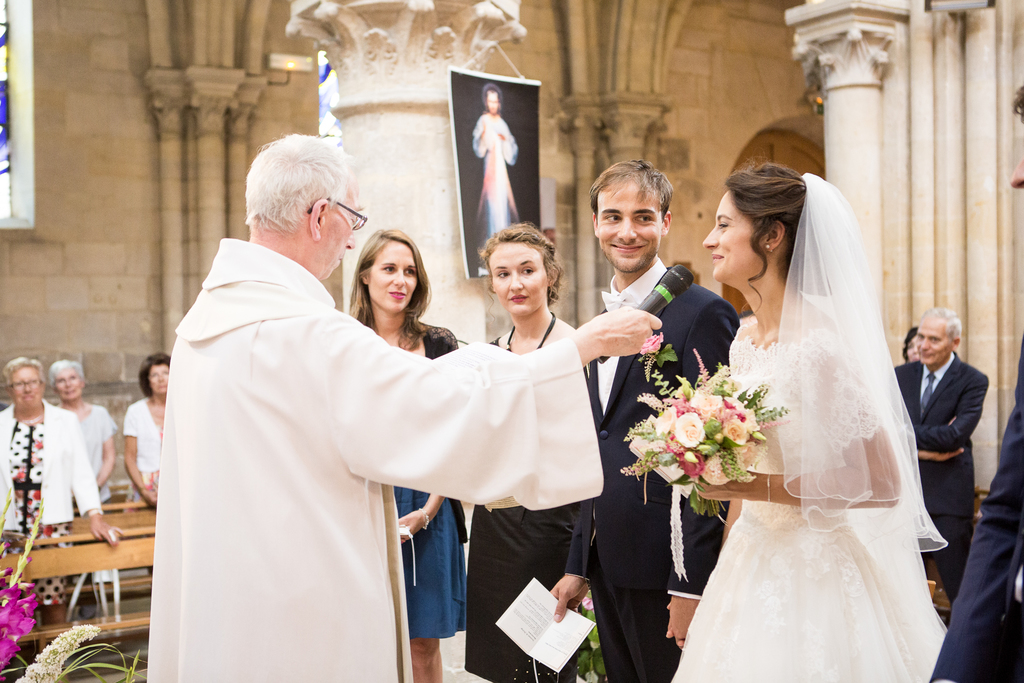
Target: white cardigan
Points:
(66, 466)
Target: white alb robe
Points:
(282, 413)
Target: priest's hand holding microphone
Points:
(623, 332)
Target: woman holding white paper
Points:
(389, 295)
(510, 544)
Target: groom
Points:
(621, 544)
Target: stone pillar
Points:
(582, 124)
(212, 93)
(168, 101)
(239, 122)
(843, 49)
(922, 161)
(392, 60)
(981, 317)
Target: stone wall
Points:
(84, 283)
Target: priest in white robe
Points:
(276, 552)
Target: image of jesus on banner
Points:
(494, 143)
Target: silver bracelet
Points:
(426, 518)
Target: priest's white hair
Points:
(291, 174)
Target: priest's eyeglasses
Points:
(360, 220)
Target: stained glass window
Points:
(5, 158)
(329, 96)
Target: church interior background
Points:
(132, 123)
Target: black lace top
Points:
(438, 341)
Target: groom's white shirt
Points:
(282, 414)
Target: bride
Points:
(821, 577)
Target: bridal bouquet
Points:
(704, 434)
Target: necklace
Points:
(34, 420)
(551, 326)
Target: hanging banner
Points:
(495, 135)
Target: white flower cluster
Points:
(50, 663)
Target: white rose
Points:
(664, 422)
(689, 430)
(705, 404)
(736, 431)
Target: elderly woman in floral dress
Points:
(45, 459)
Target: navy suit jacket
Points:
(948, 486)
(633, 537)
(984, 641)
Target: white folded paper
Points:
(530, 622)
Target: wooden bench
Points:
(87, 555)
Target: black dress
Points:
(508, 547)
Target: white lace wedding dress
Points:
(788, 603)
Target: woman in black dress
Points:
(509, 544)
(389, 295)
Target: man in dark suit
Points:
(985, 641)
(621, 543)
(944, 397)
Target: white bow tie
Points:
(614, 302)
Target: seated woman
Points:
(45, 459)
(390, 293)
(68, 380)
(509, 544)
(144, 428)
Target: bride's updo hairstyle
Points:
(768, 193)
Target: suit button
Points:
(603, 434)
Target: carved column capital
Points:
(243, 107)
(380, 46)
(631, 122)
(167, 99)
(212, 92)
(845, 44)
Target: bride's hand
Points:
(756, 489)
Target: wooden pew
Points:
(89, 555)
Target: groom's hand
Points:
(570, 591)
(680, 614)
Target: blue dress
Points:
(437, 602)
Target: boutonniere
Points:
(653, 352)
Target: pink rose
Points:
(689, 430)
(713, 473)
(588, 603)
(652, 344)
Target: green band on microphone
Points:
(664, 292)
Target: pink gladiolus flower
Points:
(652, 344)
(16, 620)
(588, 603)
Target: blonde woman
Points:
(511, 544)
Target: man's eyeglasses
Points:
(21, 386)
(360, 218)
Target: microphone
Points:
(673, 283)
